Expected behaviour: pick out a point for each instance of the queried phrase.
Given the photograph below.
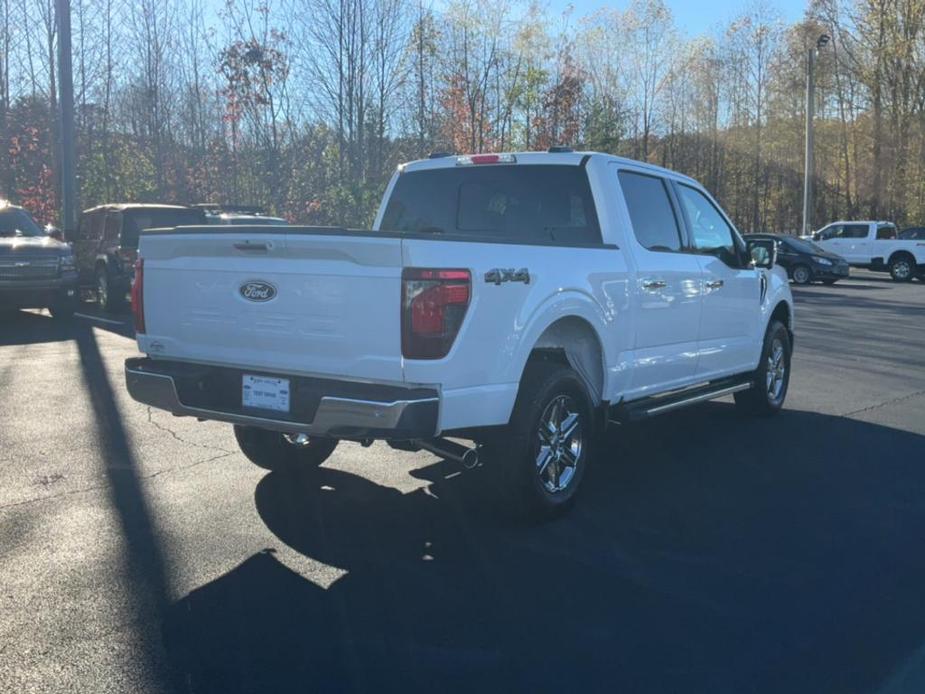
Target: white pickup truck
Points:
(518, 301)
(875, 246)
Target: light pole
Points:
(66, 118)
(808, 155)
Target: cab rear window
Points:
(526, 204)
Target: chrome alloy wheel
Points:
(560, 444)
(902, 269)
(776, 370)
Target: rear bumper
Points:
(319, 406)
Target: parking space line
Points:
(103, 320)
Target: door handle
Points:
(714, 284)
(652, 285)
(246, 246)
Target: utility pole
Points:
(66, 118)
(808, 154)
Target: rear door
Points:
(666, 291)
(731, 289)
(292, 300)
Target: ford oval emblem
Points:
(257, 290)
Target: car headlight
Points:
(823, 261)
(67, 263)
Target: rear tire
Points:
(902, 267)
(65, 306)
(802, 274)
(280, 452)
(63, 309)
(772, 377)
(542, 456)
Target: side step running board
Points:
(650, 407)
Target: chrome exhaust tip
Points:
(467, 457)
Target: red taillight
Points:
(434, 303)
(138, 296)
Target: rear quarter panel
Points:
(480, 376)
(885, 248)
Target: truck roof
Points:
(561, 158)
(122, 206)
(857, 221)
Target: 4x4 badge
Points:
(499, 275)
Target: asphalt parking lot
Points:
(709, 552)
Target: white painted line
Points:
(103, 320)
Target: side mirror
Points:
(54, 232)
(763, 253)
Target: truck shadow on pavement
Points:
(708, 553)
(32, 327)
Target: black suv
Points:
(107, 244)
(36, 269)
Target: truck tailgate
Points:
(288, 300)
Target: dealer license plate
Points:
(265, 393)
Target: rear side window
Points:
(112, 227)
(529, 204)
(90, 227)
(887, 231)
(651, 212)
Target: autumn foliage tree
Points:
(306, 106)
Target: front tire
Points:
(108, 300)
(545, 450)
(772, 377)
(802, 274)
(64, 306)
(273, 450)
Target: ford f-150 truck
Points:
(518, 301)
(875, 246)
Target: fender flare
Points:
(564, 305)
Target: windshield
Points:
(804, 246)
(539, 204)
(16, 222)
(138, 220)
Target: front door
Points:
(729, 327)
(853, 243)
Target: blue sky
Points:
(692, 17)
